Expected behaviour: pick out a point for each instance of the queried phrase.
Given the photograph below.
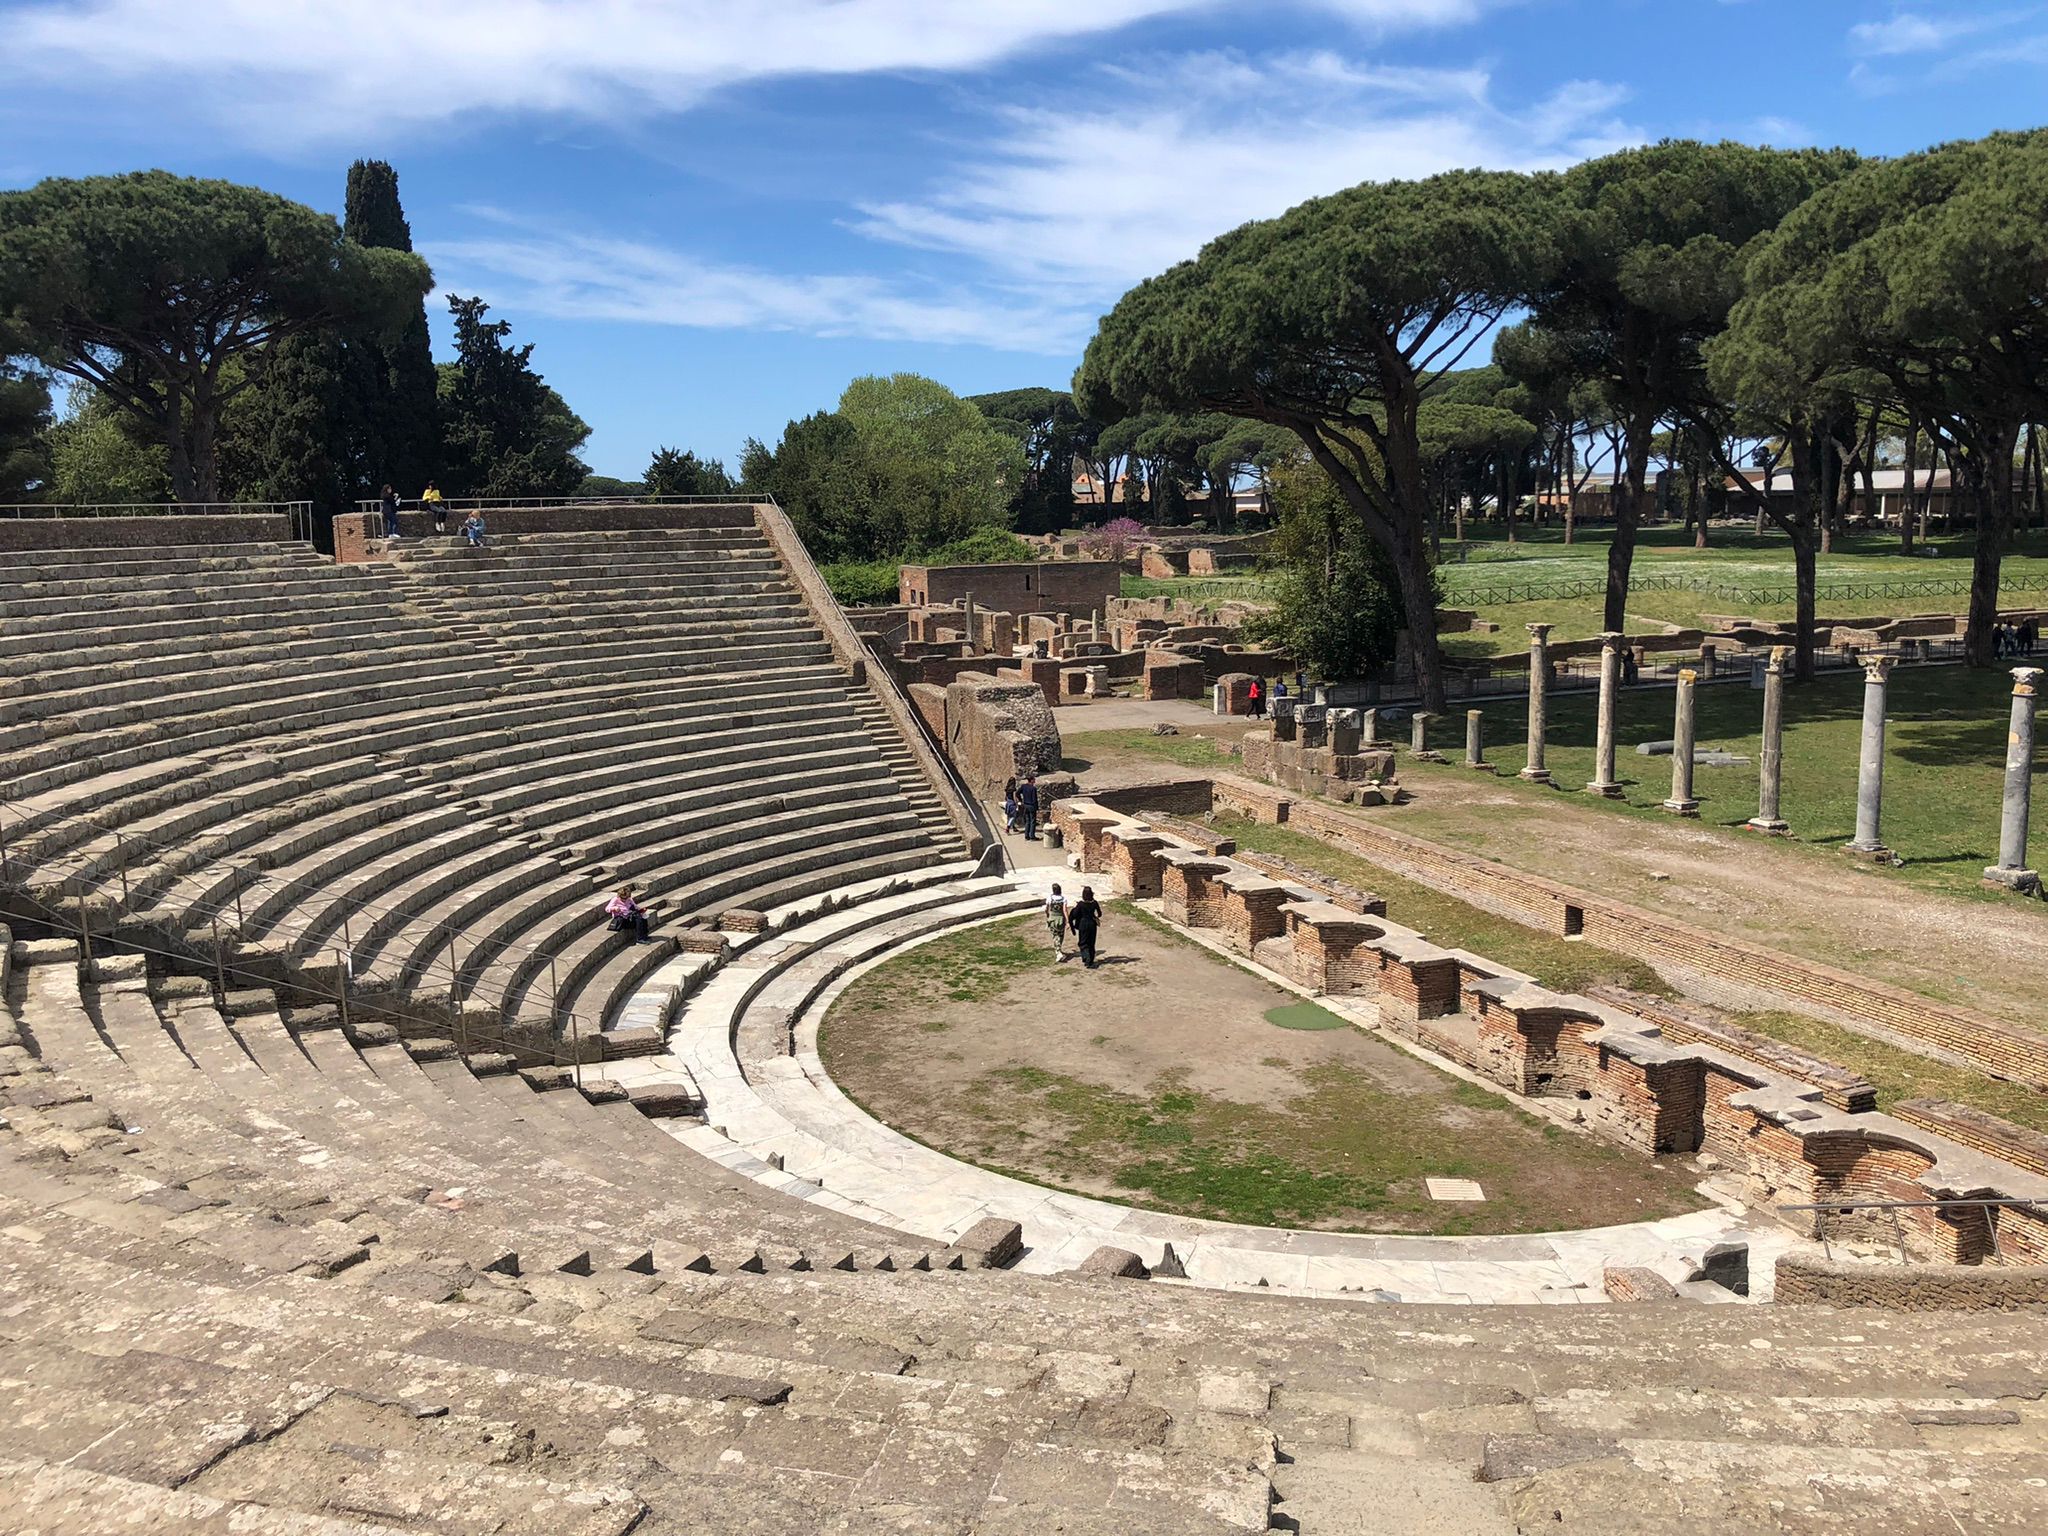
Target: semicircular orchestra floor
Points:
(1150, 1105)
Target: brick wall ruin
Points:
(1795, 1130)
(994, 730)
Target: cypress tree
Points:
(394, 382)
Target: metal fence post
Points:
(341, 978)
(84, 927)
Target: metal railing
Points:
(298, 514)
(739, 497)
(1893, 1207)
(34, 509)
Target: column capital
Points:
(2025, 681)
(1780, 654)
(1876, 668)
(1687, 675)
(1610, 638)
(1537, 632)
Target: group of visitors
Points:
(1257, 697)
(1020, 804)
(431, 500)
(1082, 918)
(2009, 640)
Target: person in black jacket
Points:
(1085, 918)
(1027, 806)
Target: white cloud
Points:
(1069, 203)
(1099, 198)
(311, 69)
(565, 274)
(1904, 33)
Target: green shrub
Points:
(862, 583)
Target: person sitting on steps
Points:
(432, 501)
(626, 912)
(473, 529)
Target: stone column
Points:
(1770, 755)
(1870, 769)
(1539, 702)
(1682, 802)
(1475, 748)
(967, 623)
(2011, 870)
(1369, 728)
(1603, 782)
(1418, 739)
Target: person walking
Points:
(1027, 806)
(625, 913)
(432, 501)
(1255, 700)
(1010, 805)
(388, 503)
(2030, 636)
(1056, 925)
(1085, 920)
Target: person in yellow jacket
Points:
(431, 501)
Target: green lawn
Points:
(1944, 762)
(1081, 749)
(1560, 964)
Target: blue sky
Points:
(709, 216)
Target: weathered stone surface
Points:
(991, 1243)
(1113, 1264)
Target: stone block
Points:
(1725, 1265)
(991, 1243)
(1234, 693)
(1636, 1283)
(1113, 1264)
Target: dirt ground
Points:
(1984, 955)
(1157, 1079)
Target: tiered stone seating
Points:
(427, 773)
(262, 1274)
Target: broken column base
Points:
(1604, 791)
(1771, 828)
(1878, 854)
(1535, 775)
(2025, 881)
(1482, 767)
(1681, 807)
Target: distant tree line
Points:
(225, 344)
(1730, 311)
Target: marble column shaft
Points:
(1770, 754)
(1603, 781)
(2013, 820)
(1682, 801)
(1539, 698)
(1870, 766)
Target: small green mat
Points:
(1303, 1016)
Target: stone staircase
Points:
(261, 1273)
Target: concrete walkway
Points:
(748, 1041)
